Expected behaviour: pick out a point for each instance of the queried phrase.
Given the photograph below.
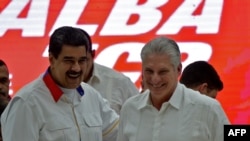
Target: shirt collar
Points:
(177, 97)
(145, 99)
(55, 90)
(95, 73)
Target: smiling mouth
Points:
(73, 76)
(157, 86)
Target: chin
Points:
(73, 86)
(156, 90)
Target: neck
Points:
(158, 101)
(88, 76)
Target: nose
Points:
(76, 67)
(155, 78)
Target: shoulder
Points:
(208, 107)
(88, 89)
(133, 105)
(109, 72)
(32, 89)
(199, 99)
(137, 100)
(26, 97)
(91, 93)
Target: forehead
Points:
(73, 51)
(156, 61)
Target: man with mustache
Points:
(58, 106)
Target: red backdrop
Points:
(215, 31)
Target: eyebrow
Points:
(70, 57)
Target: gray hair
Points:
(162, 45)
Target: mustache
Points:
(74, 72)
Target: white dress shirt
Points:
(113, 85)
(187, 116)
(42, 111)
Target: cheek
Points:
(85, 67)
(56, 65)
(147, 77)
(174, 75)
(63, 67)
(7, 85)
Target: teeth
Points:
(156, 86)
(73, 75)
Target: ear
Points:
(51, 58)
(202, 88)
(179, 69)
(93, 53)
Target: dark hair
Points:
(200, 72)
(162, 45)
(89, 39)
(2, 63)
(68, 35)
